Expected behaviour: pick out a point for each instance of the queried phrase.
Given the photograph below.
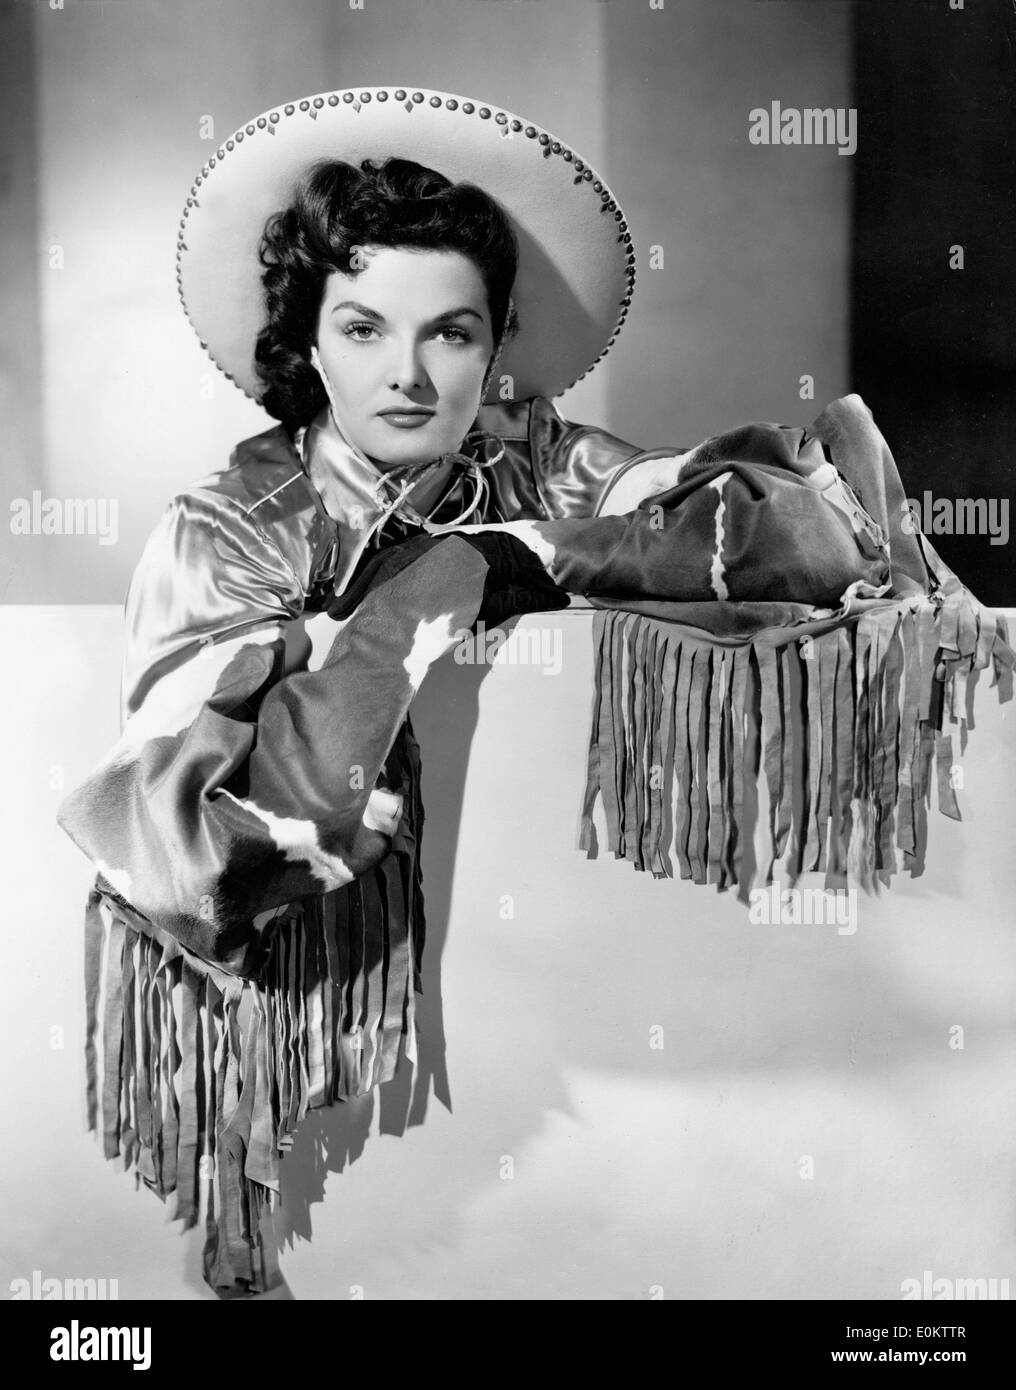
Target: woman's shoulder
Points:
(264, 480)
(558, 467)
(507, 419)
(514, 419)
(261, 493)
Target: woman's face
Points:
(411, 330)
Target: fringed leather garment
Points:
(255, 931)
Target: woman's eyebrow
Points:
(359, 309)
(454, 314)
(380, 318)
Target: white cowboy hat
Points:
(576, 261)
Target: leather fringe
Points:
(198, 1079)
(846, 727)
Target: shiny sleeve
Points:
(234, 788)
(576, 466)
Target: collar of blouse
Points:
(360, 498)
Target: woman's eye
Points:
(353, 329)
(360, 332)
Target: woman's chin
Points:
(418, 447)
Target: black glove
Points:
(516, 582)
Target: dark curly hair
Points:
(336, 207)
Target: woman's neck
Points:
(426, 493)
(429, 490)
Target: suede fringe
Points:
(197, 1079)
(846, 725)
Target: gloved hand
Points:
(516, 582)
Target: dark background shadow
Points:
(933, 348)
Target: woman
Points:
(255, 932)
(386, 309)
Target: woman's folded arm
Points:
(233, 788)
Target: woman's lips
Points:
(407, 420)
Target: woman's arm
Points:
(579, 468)
(233, 788)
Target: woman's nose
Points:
(406, 371)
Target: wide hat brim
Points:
(576, 261)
